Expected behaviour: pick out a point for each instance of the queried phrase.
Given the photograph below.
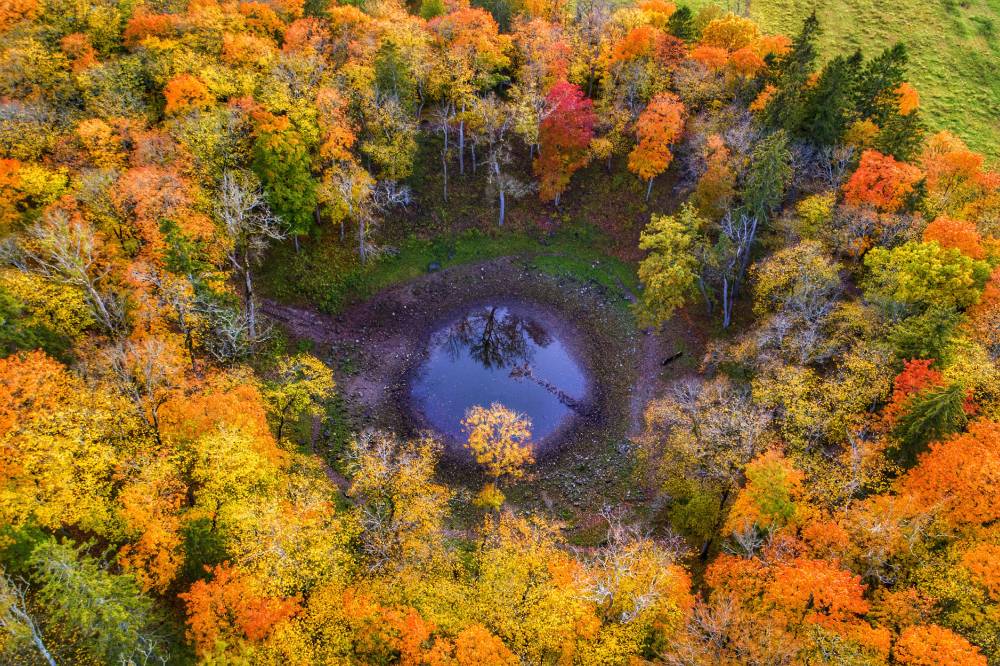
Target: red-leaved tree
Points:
(564, 137)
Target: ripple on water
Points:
(499, 354)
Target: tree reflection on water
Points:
(495, 337)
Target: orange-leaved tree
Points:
(658, 127)
(960, 476)
(958, 234)
(226, 610)
(931, 645)
(186, 92)
(881, 182)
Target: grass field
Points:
(328, 274)
(954, 50)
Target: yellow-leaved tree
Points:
(500, 440)
(299, 385)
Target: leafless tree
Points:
(624, 578)
(142, 374)
(495, 119)
(16, 619)
(67, 251)
(441, 120)
(384, 196)
(302, 73)
(739, 230)
(819, 168)
(250, 227)
(229, 338)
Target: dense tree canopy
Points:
(183, 479)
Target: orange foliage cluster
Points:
(909, 99)
(306, 35)
(151, 507)
(659, 125)
(747, 62)
(712, 57)
(777, 45)
(737, 42)
(77, 46)
(261, 19)
(958, 234)
(31, 384)
(956, 180)
(227, 607)
(15, 11)
(649, 43)
(961, 474)
(223, 401)
(186, 92)
(760, 102)
(402, 631)
(792, 594)
(932, 645)
(10, 193)
(144, 25)
(983, 561)
(881, 181)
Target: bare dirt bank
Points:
(375, 346)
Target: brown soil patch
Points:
(376, 345)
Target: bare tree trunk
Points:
(444, 170)
(350, 213)
(727, 303)
(472, 147)
(17, 608)
(37, 640)
(182, 323)
(281, 424)
(494, 163)
(745, 259)
(704, 294)
(718, 523)
(102, 311)
(362, 232)
(649, 189)
(251, 303)
(461, 142)
(444, 151)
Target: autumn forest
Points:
(512, 332)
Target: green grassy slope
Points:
(954, 50)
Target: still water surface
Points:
(497, 354)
